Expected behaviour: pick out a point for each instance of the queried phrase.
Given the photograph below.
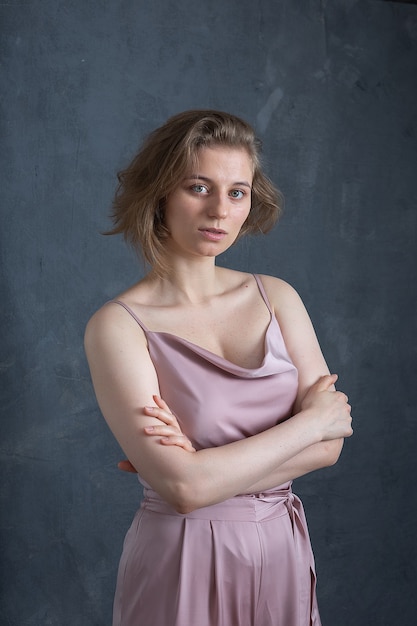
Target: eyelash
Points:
(243, 193)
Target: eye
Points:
(237, 194)
(199, 188)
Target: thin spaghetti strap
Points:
(263, 292)
(129, 310)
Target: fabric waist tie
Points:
(256, 507)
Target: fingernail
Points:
(149, 429)
(150, 408)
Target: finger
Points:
(162, 431)
(161, 414)
(341, 396)
(179, 441)
(161, 403)
(349, 430)
(126, 466)
(325, 382)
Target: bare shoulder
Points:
(297, 331)
(292, 316)
(112, 324)
(280, 294)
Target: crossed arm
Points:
(312, 438)
(314, 457)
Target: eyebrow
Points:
(242, 183)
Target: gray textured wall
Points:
(331, 89)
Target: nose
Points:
(218, 207)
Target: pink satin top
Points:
(216, 401)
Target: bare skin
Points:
(210, 306)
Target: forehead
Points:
(227, 161)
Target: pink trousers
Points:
(244, 562)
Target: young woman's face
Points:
(205, 213)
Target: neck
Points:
(191, 283)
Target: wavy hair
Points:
(162, 162)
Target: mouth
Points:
(213, 234)
(215, 231)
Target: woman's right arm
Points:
(125, 382)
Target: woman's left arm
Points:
(305, 352)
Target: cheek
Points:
(242, 216)
(172, 210)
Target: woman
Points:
(214, 385)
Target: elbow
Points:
(184, 498)
(184, 508)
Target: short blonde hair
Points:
(160, 165)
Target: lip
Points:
(213, 234)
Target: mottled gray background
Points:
(331, 90)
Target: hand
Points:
(331, 407)
(169, 430)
